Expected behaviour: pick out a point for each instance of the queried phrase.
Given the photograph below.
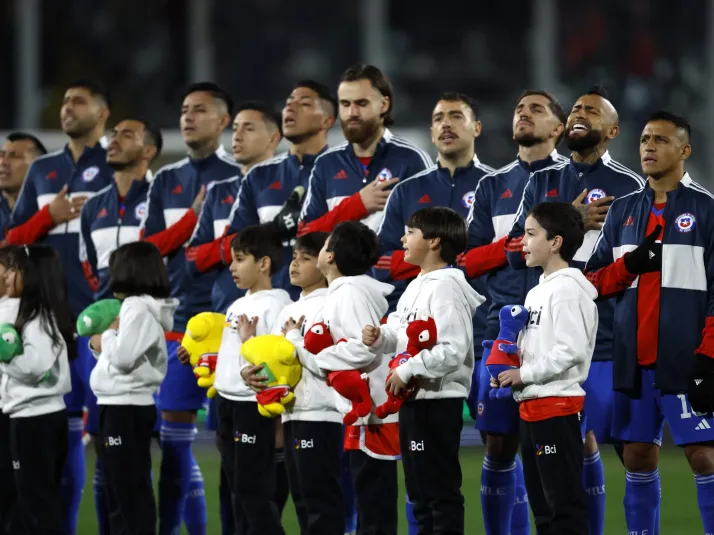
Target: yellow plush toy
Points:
(202, 341)
(280, 365)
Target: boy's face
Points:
(536, 246)
(303, 269)
(324, 259)
(415, 246)
(245, 269)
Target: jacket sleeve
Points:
(391, 265)
(452, 346)
(307, 359)
(570, 341)
(87, 251)
(38, 357)
(514, 247)
(27, 223)
(707, 344)
(202, 235)
(388, 332)
(135, 336)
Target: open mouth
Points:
(579, 127)
(289, 121)
(448, 136)
(649, 159)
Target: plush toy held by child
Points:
(202, 340)
(421, 334)
(10, 343)
(96, 318)
(350, 384)
(502, 354)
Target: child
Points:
(34, 384)
(131, 363)
(247, 439)
(556, 348)
(313, 425)
(353, 300)
(430, 423)
(8, 314)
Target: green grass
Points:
(680, 515)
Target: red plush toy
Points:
(348, 383)
(421, 334)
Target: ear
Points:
(557, 244)
(104, 114)
(275, 139)
(264, 264)
(225, 121)
(613, 132)
(385, 105)
(148, 152)
(477, 129)
(557, 131)
(434, 243)
(328, 121)
(686, 151)
(330, 257)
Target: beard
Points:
(528, 140)
(124, 164)
(588, 141)
(361, 133)
(80, 130)
(301, 137)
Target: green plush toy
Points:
(96, 318)
(10, 343)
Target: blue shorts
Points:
(179, 391)
(642, 419)
(81, 395)
(495, 415)
(598, 401)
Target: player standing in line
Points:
(174, 203)
(656, 252)
(593, 177)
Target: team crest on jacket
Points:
(468, 199)
(384, 175)
(140, 210)
(90, 173)
(595, 195)
(685, 222)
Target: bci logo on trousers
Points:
(417, 446)
(304, 444)
(243, 438)
(15, 465)
(112, 441)
(544, 450)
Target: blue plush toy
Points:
(502, 354)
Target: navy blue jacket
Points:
(686, 306)
(564, 182)
(5, 214)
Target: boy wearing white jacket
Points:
(431, 421)
(247, 439)
(556, 349)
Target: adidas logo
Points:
(697, 382)
(703, 425)
(506, 194)
(102, 213)
(342, 175)
(629, 222)
(229, 200)
(178, 189)
(275, 185)
(552, 193)
(652, 255)
(425, 199)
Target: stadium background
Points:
(649, 54)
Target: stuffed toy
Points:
(502, 354)
(281, 367)
(350, 384)
(10, 343)
(96, 318)
(421, 334)
(202, 340)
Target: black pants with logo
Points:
(312, 457)
(125, 433)
(429, 436)
(552, 452)
(39, 452)
(248, 456)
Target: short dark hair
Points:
(152, 133)
(561, 219)
(214, 90)
(270, 116)
(260, 241)
(676, 120)
(94, 87)
(7, 256)
(137, 268)
(24, 136)
(599, 90)
(355, 247)
(323, 92)
(445, 224)
(312, 242)
(553, 103)
(455, 96)
(378, 80)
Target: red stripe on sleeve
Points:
(89, 275)
(707, 345)
(176, 235)
(480, 260)
(31, 230)
(611, 279)
(350, 209)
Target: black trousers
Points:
(429, 436)
(8, 494)
(125, 433)
(376, 493)
(552, 454)
(312, 457)
(248, 456)
(39, 451)
(282, 487)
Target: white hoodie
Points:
(314, 400)
(352, 303)
(266, 305)
(8, 314)
(27, 388)
(557, 345)
(445, 370)
(134, 359)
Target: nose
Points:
(354, 110)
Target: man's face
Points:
(126, 145)
(252, 137)
(81, 112)
(587, 123)
(15, 159)
(303, 115)
(661, 148)
(534, 121)
(453, 127)
(203, 119)
(361, 109)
